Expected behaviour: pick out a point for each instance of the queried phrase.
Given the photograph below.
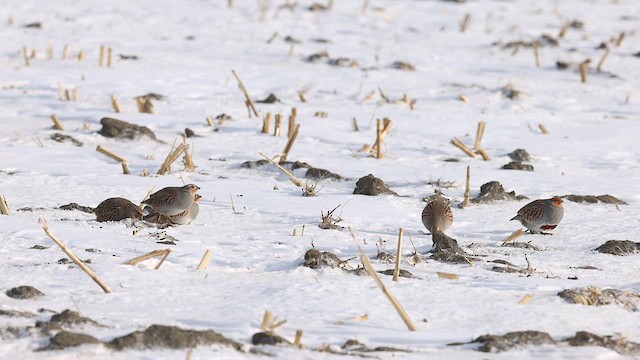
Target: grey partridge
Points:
(171, 201)
(540, 215)
(116, 209)
(437, 215)
(184, 218)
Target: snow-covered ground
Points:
(186, 52)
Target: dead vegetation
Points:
(594, 296)
(329, 221)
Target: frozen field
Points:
(186, 51)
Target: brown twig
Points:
(171, 157)
(4, 208)
(467, 188)
(292, 177)
(73, 257)
(110, 154)
(155, 253)
(396, 304)
(25, 55)
(457, 143)
(479, 135)
(466, 21)
(56, 122)
(116, 104)
(603, 58)
(287, 148)
(246, 93)
(266, 123)
(102, 56)
(513, 236)
(396, 271)
(584, 69)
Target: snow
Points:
(187, 50)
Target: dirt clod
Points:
(316, 259)
(69, 319)
(268, 338)
(75, 206)
(64, 339)
(64, 138)
(372, 186)
(519, 155)
(619, 247)
(114, 128)
(447, 250)
(594, 296)
(511, 340)
(24, 292)
(172, 337)
(592, 199)
(402, 273)
(493, 191)
(517, 165)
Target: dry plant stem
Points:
(73, 257)
(367, 265)
(246, 94)
(116, 104)
(81, 56)
(584, 69)
(109, 57)
(147, 256)
(49, 51)
(173, 156)
(388, 123)
(266, 123)
(379, 139)
(25, 55)
(479, 135)
(396, 271)
(457, 143)
(303, 227)
(514, 235)
(620, 38)
(564, 29)
(74, 94)
(445, 275)
(278, 125)
(164, 257)
(65, 52)
(467, 188)
(292, 177)
(291, 125)
(543, 129)
(125, 168)
(110, 154)
(267, 319)
(536, 53)
(233, 205)
(354, 124)
(67, 95)
(302, 97)
(368, 97)
(484, 155)
(102, 55)
(4, 208)
(466, 21)
(298, 340)
(287, 148)
(205, 260)
(604, 57)
(526, 299)
(56, 122)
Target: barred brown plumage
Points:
(116, 209)
(171, 201)
(541, 214)
(437, 215)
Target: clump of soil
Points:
(355, 345)
(24, 292)
(402, 273)
(520, 245)
(372, 186)
(619, 247)
(592, 199)
(114, 128)
(323, 55)
(493, 191)
(64, 339)
(447, 250)
(270, 99)
(172, 337)
(619, 345)
(69, 319)
(595, 297)
(512, 340)
(75, 206)
(519, 155)
(63, 138)
(268, 338)
(401, 65)
(16, 313)
(517, 165)
(320, 174)
(316, 259)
